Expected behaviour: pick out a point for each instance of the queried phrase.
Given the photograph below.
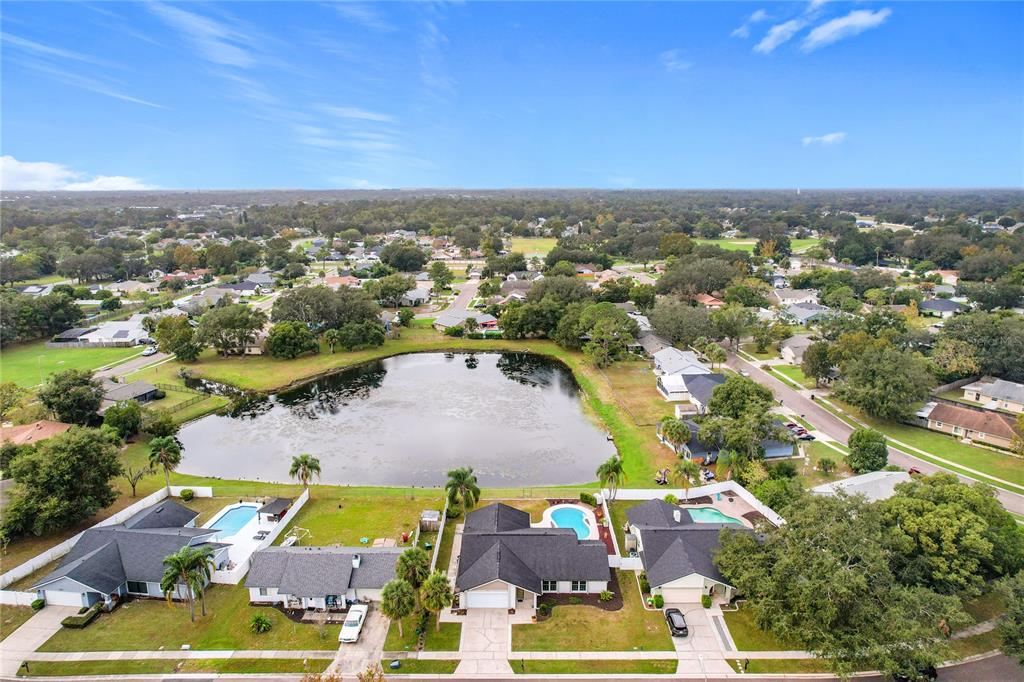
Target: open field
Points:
(533, 246)
(29, 364)
(588, 628)
(747, 244)
(165, 666)
(148, 624)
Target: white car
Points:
(353, 624)
(150, 350)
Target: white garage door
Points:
(58, 598)
(681, 595)
(487, 600)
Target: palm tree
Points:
(165, 451)
(413, 567)
(675, 431)
(685, 470)
(332, 337)
(462, 487)
(715, 354)
(437, 594)
(188, 567)
(611, 474)
(304, 468)
(397, 601)
(728, 461)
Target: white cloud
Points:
(47, 176)
(854, 23)
(362, 15)
(779, 34)
(358, 114)
(216, 41)
(743, 31)
(673, 61)
(826, 140)
(41, 50)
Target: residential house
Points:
(874, 485)
(586, 268)
(415, 297)
(779, 281)
(131, 286)
(511, 285)
(787, 296)
(678, 553)
(940, 307)
(792, 349)
(110, 562)
(649, 343)
(951, 277)
(453, 318)
(139, 391)
(128, 332)
(30, 434)
(207, 298)
(707, 453)
(343, 281)
(37, 289)
(993, 428)
(523, 276)
(708, 301)
(243, 289)
(806, 313)
(674, 361)
(320, 577)
(996, 394)
(504, 562)
(606, 276)
(694, 388)
(265, 280)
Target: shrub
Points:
(159, 394)
(260, 624)
(671, 499)
(454, 331)
(82, 610)
(659, 601)
(705, 601)
(575, 601)
(83, 619)
(587, 498)
(606, 595)
(827, 464)
(187, 494)
(645, 586)
(544, 609)
(37, 604)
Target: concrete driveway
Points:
(355, 657)
(30, 636)
(702, 637)
(485, 642)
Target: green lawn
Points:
(994, 463)
(588, 628)
(986, 606)
(771, 353)
(730, 244)
(415, 666)
(594, 667)
(816, 450)
(153, 624)
(162, 666)
(976, 644)
(29, 364)
(767, 666)
(618, 510)
(445, 639)
(533, 246)
(45, 279)
(332, 521)
(12, 618)
(444, 550)
(748, 637)
(794, 374)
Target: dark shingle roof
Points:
(674, 549)
(136, 389)
(941, 305)
(166, 514)
(275, 506)
(991, 423)
(701, 386)
(499, 544)
(319, 571)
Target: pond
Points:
(516, 418)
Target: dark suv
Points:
(676, 623)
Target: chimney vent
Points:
(677, 515)
(355, 560)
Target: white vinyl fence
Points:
(723, 487)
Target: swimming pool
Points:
(711, 515)
(233, 520)
(571, 517)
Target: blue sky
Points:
(690, 95)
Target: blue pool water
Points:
(233, 519)
(709, 515)
(567, 517)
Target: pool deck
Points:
(588, 518)
(243, 542)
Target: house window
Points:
(957, 430)
(579, 585)
(549, 586)
(263, 592)
(938, 425)
(137, 587)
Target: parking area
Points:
(353, 658)
(702, 636)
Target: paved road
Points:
(130, 366)
(467, 292)
(641, 277)
(831, 425)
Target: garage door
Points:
(681, 595)
(487, 600)
(58, 598)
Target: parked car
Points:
(353, 624)
(744, 373)
(150, 350)
(805, 436)
(926, 673)
(676, 623)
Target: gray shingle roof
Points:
(675, 549)
(136, 389)
(701, 386)
(165, 514)
(941, 305)
(499, 544)
(275, 506)
(319, 571)
(998, 388)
